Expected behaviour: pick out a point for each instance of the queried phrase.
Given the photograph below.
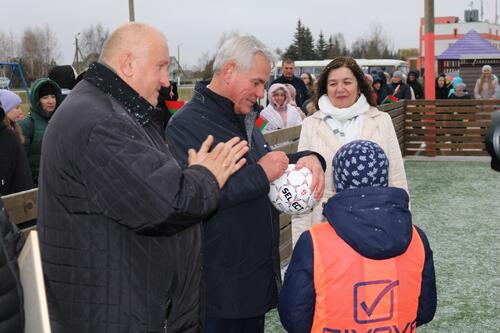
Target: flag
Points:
(173, 106)
(392, 99)
(261, 123)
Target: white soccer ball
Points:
(291, 193)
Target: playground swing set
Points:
(6, 82)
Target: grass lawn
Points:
(457, 204)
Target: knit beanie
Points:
(47, 89)
(398, 74)
(64, 76)
(9, 100)
(486, 67)
(360, 163)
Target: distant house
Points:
(450, 29)
(175, 71)
(467, 56)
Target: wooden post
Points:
(429, 79)
(429, 61)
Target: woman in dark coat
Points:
(15, 175)
(45, 98)
(415, 85)
(442, 89)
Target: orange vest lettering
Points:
(357, 294)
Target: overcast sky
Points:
(198, 25)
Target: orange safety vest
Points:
(355, 294)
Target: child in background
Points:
(293, 93)
(11, 104)
(280, 113)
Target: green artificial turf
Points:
(457, 204)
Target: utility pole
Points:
(482, 11)
(179, 64)
(76, 59)
(496, 11)
(429, 61)
(131, 12)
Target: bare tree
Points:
(337, 46)
(8, 46)
(91, 42)
(38, 51)
(376, 45)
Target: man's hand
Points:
(223, 161)
(274, 164)
(318, 182)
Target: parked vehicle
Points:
(315, 67)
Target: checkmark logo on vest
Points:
(374, 300)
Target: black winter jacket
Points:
(367, 220)
(403, 92)
(121, 250)
(15, 174)
(241, 240)
(11, 292)
(418, 90)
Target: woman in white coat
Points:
(487, 84)
(347, 112)
(280, 113)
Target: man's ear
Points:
(126, 64)
(229, 71)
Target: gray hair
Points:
(242, 50)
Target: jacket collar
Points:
(204, 94)
(112, 85)
(374, 221)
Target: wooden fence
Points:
(447, 127)
(430, 128)
(397, 113)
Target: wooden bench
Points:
(22, 208)
(286, 140)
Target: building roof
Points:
(470, 44)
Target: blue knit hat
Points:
(9, 100)
(360, 163)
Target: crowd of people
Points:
(150, 222)
(385, 88)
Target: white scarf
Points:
(345, 123)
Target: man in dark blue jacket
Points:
(374, 222)
(240, 241)
(288, 68)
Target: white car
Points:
(4, 82)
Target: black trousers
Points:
(246, 325)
